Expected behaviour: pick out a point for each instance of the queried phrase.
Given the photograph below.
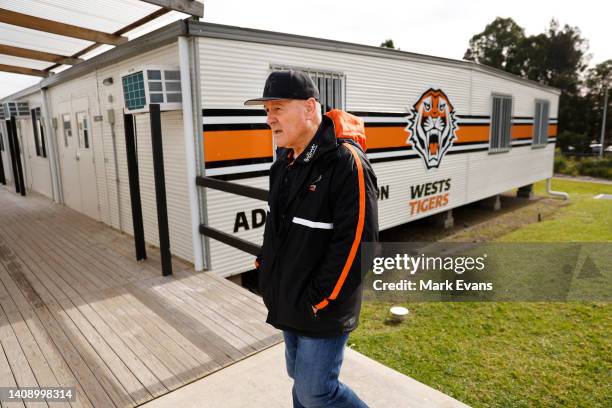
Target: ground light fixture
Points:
(398, 313)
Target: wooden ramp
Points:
(77, 310)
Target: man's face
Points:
(288, 119)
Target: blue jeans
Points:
(314, 365)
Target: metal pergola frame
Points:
(192, 7)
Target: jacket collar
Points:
(323, 141)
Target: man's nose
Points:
(270, 119)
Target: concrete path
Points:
(582, 178)
(261, 381)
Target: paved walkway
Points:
(261, 382)
(582, 178)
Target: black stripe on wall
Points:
(235, 126)
(240, 176)
(233, 112)
(238, 162)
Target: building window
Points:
(501, 123)
(540, 124)
(39, 133)
(330, 84)
(1, 142)
(83, 129)
(66, 125)
(164, 82)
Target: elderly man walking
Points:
(322, 207)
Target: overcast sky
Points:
(440, 28)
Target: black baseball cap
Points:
(287, 85)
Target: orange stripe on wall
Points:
(472, 134)
(522, 131)
(247, 144)
(237, 144)
(552, 130)
(379, 137)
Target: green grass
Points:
(583, 220)
(509, 354)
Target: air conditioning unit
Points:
(152, 84)
(16, 109)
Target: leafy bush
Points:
(564, 165)
(596, 167)
(588, 166)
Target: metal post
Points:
(52, 150)
(2, 178)
(35, 129)
(9, 131)
(2, 175)
(7, 157)
(603, 123)
(132, 162)
(13, 124)
(190, 137)
(160, 189)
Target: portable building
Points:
(441, 133)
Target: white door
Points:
(68, 164)
(85, 162)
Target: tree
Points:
(388, 44)
(497, 46)
(599, 77)
(556, 57)
(598, 80)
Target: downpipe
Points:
(553, 193)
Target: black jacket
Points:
(311, 253)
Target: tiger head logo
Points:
(432, 126)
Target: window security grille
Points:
(16, 109)
(501, 124)
(540, 125)
(330, 84)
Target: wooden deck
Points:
(77, 310)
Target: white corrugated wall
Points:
(114, 198)
(222, 209)
(523, 96)
(176, 182)
(233, 71)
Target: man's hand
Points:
(314, 310)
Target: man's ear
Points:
(311, 107)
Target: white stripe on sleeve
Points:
(313, 224)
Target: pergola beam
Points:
(23, 70)
(122, 31)
(195, 8)
(50, 26)
(38, 55)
